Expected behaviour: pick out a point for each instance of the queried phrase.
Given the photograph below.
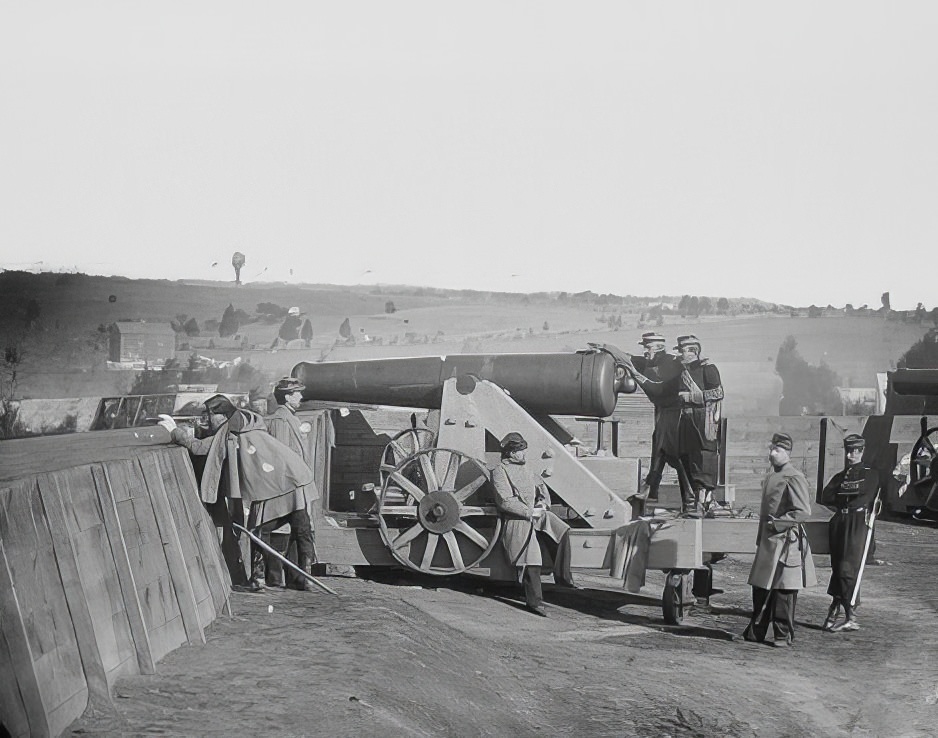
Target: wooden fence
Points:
(105, 567)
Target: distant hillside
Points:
(65, 351)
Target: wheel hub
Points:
(438, 512)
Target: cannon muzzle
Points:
(552, 384)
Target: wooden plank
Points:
(125, 575)
(27, 715)
(92, 665)
(172, 549)
(676, 545)
(211, 558)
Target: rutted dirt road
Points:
(409, 656)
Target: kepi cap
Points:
(782, 440)
(221, 405)
(289, 384)
(689, 340)
(651, 337)
(853, 442)
(513, 441)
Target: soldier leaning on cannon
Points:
(783, 563)
(265, 470)
(851, 495)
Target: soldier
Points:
(658, 374)
(851, 495)
(242, 461)
(291, 432)
(523, 500)
(783, 564)
(701, 396)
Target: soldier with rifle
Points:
(852, 495)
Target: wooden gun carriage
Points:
(422, 497)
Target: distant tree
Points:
(32, 313)
(884, 298)
(723, 305)
(229, 323)
(237, 261)
(191, 327)
(659, 321)
(290, 329)
(684, 305)
(934, 316)
(179, 322)
(706, 305)
(345, 330)
(848, 309)
(807, 389)
(693, 306)
(923, 354)
(920, 313)
(271, 312)
(306, 332)
(814, 311)
(389, 307)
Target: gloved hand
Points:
(167, 422)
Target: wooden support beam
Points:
(125, 575)
(67, 563)
(172, 548)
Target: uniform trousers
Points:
(775, 607)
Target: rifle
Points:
(284, 559)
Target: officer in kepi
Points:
(852, 496)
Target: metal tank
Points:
(556, 384)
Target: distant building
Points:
(141, 344)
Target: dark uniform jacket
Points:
(702, 402)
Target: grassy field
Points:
(64, 357)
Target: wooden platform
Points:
(108, 561)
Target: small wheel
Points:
(923, 469)
(672, 600)
(436, 494)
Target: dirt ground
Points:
(409, 656)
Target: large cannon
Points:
(584, 383)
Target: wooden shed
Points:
(150, 343)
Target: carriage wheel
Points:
(923, 469)
(451, 500)
(403, 445)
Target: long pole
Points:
(284, 559)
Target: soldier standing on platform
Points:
(701, 396)
(783, 563)
(658, 374)
(851, 496)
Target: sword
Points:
(874, 511)
(284, 559)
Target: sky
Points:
(785, 151)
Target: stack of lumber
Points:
(108, 561)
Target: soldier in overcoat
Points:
(783, 564)
(850, 495)
(523, 501)
(295, 434)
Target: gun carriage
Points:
(431, 507)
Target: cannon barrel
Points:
(558, 383)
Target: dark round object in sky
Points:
(112, 298)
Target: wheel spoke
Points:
(426, 466)
(408, 486)
(453, 545)
(409, 511)
(463, 494)
(400, 451)
(387, 468)
(428, 552)
(465, 511)
(452, 467)
(407, 536)
(931, 446)
(472, 534)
